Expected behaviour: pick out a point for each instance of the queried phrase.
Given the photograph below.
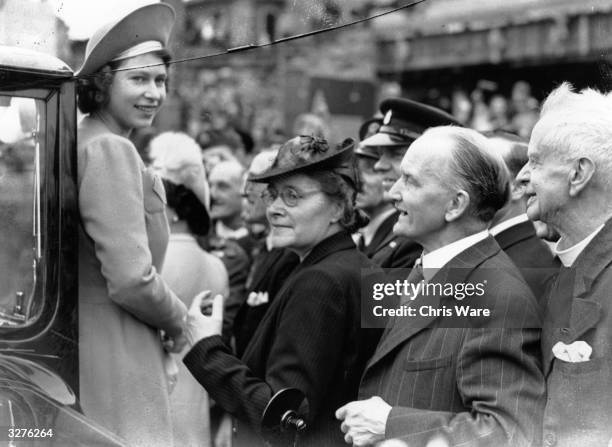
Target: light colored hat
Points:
(173, 151)
(150, 23)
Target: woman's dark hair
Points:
(341, 191)
(92, 90)
(187, 207)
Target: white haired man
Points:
(570, 188)
(476, 384)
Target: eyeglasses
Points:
(289, 196)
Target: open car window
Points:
(21, 145)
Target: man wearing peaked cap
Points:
(380, 155)
(403, 122)
(376, 240)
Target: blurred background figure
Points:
(188, 270)
(311, 125)
(525, 109)
(220, 145)
(226, 202)
(229, 238)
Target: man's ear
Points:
(580, 174)
(458, 206)
(517, 190)
(338, 212)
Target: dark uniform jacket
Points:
(473, 386)
(390, 251)
(579, 405)
(531, 255)
(309, 339)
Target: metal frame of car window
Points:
(51, 337)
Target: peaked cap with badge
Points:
(405, 120)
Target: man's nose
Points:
(383, 164)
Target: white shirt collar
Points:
(504, 225)
(438, 258)
(227, 233)
(370, 229)
(569, 255)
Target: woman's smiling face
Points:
(313, 218)
(136, 95)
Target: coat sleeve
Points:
(498, 376)
(304, 354)
(111, 204)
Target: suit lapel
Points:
(384, 235)
(515, 234)
(456, 270)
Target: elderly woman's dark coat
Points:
(309, 339)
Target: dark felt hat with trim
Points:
(306, 154)
(405, 120)
(149, 23)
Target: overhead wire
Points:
(250, 47)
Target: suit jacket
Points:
(268, 274)
(309, 339)
(531, 255)
(479, 385)
(579, 407)
(388, 250)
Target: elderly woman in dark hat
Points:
(310, 337)
(124, 304)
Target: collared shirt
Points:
(435, 260)
(495, 230)
(569, 255)
(226, 232)
(370, 229)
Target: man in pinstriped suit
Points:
(477, 384)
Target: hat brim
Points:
(150, 22)
(328, 162)
(384, 139)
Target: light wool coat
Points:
(123, 301)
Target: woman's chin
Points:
(281, 240)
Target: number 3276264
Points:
(28, 433)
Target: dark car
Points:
(39, 377)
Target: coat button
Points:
(550, 439)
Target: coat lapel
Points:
(515, 234)
(585, 311)
(384, 235)
(456, 270)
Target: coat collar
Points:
(515, 234)
(384, 234)
(456, 270)
(336, 242)
(596, 257)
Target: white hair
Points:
(577, 125)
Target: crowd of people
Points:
(206, 286)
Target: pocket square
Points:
(579, 351)
(257, 298)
